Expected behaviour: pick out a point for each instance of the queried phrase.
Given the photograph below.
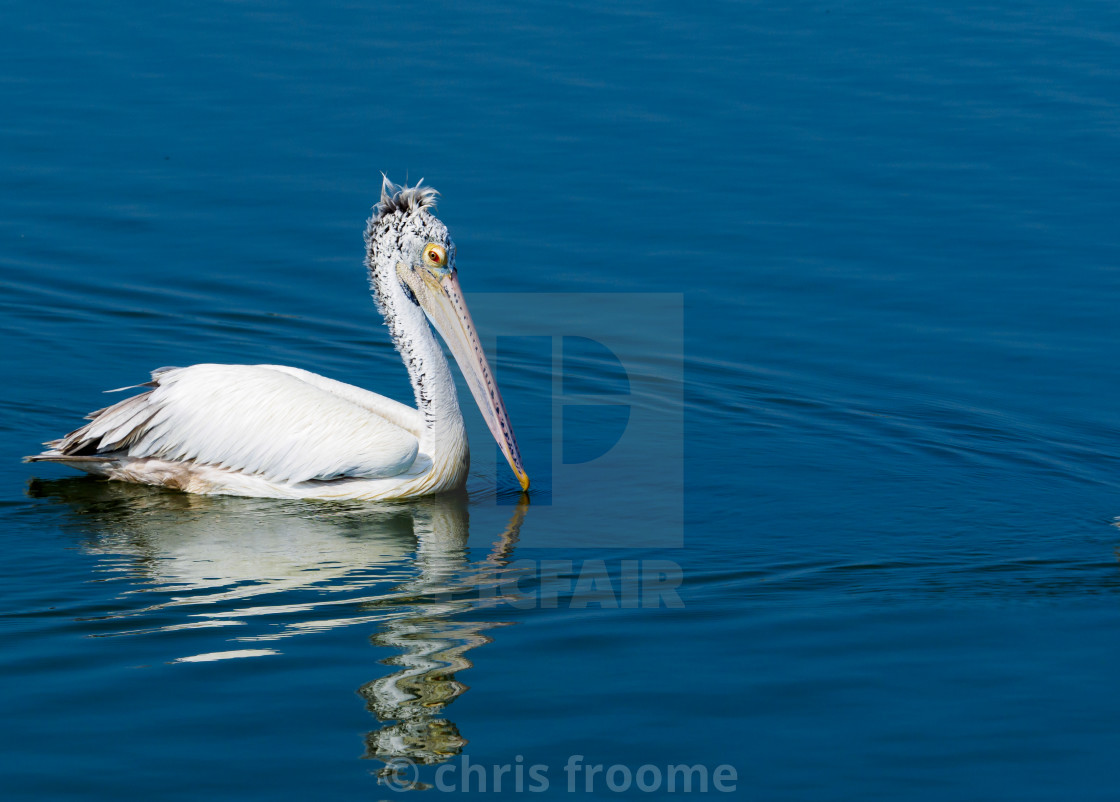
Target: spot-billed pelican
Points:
(281, 432)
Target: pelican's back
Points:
(280, 425)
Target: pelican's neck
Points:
(444, 436)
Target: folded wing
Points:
(253, 419)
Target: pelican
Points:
(280, 432)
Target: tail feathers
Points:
(54, 456)
(102, 465)
(153, 383)
(105, 440)
(110, 430)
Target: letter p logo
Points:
(594, 385)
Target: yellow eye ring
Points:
(435, 255)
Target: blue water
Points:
(864, 265)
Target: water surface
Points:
(890, 235)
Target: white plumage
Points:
(282, 432)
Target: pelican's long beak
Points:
(441, 298)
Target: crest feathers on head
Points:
(408, 200)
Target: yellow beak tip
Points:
(524, 481)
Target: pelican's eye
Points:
(435, 255)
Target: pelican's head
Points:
(412, 261)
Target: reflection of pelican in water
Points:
(433, 646)
(303, 568)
